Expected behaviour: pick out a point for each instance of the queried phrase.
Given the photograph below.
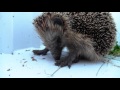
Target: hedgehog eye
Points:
(58, 21)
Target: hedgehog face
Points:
(52, 36)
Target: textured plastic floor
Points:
(24, 64)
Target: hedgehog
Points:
(87, 35)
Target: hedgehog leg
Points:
(86, 51)
(67, 61)
(41, 52)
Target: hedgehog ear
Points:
(58, 20)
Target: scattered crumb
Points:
(27, 50)
(46, 72)
(23, 65)
(25, 61)
(12, 53)
(0, 53)
(33, 59)
(8, 70)
(9, 74)
(43, 58)
(18, 53)
(13, 16)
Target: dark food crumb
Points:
(18, 53)
(12, 53)
(0, 53)
(9, 74)
(43, 58)
(33, 59)
(8, 70)
(25, 61)
(27, 50)
(23, 65)
(13, 16)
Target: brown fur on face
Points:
(51, 27)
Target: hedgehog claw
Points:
(63, 63)
(66, 63)
(58, 62)
(69, 66)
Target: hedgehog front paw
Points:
(41, 52)
(64, 62)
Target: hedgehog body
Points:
(86, 34)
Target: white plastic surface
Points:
(20, 64)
